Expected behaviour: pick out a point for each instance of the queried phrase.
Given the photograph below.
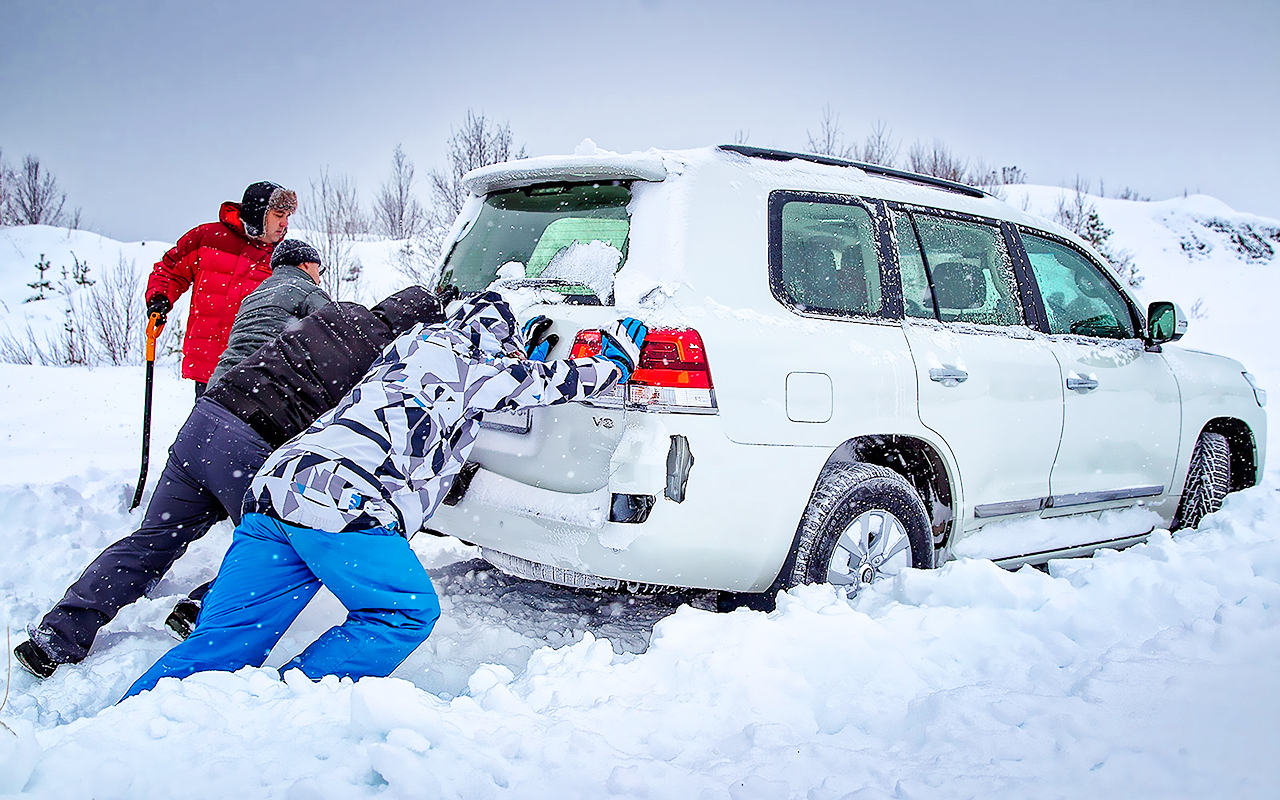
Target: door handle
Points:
(944, 374)
(1078, 384)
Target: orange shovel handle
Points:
(154, 326)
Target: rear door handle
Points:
(1078, 384)
(944, 374)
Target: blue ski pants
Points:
(211, 464)
(272, 571)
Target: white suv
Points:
(851, 370)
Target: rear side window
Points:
(828, 262)
(567, 238)
(969, 269)
(1078, 296)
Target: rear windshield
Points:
(568, 238)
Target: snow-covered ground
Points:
(1144, 673)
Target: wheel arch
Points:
(915, 459)
(921, 464)
(1244, 450)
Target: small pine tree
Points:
(80, 272)
(1077, 213)
(41, 284)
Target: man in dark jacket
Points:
(291, 293)
(224, 261)
(254, 408)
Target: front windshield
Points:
(568, 238)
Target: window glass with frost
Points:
(1078, 297)
(970, 270)
(830, 263)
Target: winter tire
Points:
(863, 522)
(1208, 479)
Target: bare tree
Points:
(6, 191)
(879, 147)
(36, 199)
(332, 212)
(1012, 175)
(936, 160)
(741, 136)
(25, 348)
(1075, 208)
(478, 143)
(830, 139)
(416, 259)
(114, 314)
(987, 178)
(396, 211)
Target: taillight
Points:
(586, 344)
(673, 374)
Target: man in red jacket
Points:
(225, 261)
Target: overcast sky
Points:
(152, 113)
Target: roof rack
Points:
(872, 169)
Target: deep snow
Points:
(1147, 672)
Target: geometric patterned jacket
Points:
(387, 454)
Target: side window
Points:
(972, 273)
(917, 300)
(829, 261)
(1078, 296)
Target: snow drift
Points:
(1147, 672)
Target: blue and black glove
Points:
(622, 344)
(537, 342)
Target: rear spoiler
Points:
(565, 169)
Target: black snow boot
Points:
(182, 620)
(35, 660)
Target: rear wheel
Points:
(1208, 479)
(864, 522)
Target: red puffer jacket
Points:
(225, 265)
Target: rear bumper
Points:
(732, 531)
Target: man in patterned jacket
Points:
(336, 504)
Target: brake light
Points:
(586, 344)
(673, 373)
(673, 357)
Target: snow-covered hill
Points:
(1148, 672)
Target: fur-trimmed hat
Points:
(259, 197)
(294, 253)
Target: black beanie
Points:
(260, 196)
(294, 253)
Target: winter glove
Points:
(622, 345)
(159, 304)
(447, 294)
(537, 342)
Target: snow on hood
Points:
(487, 320)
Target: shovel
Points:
(155, 324)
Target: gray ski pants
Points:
(209, 469)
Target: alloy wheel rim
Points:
(873, 545)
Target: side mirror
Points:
(1165, 322)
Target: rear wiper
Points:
(574, 292)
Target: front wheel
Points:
(864, 522)
(1208, 480)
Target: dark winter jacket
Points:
(225, 265)
(286, 297)
(280, 389)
